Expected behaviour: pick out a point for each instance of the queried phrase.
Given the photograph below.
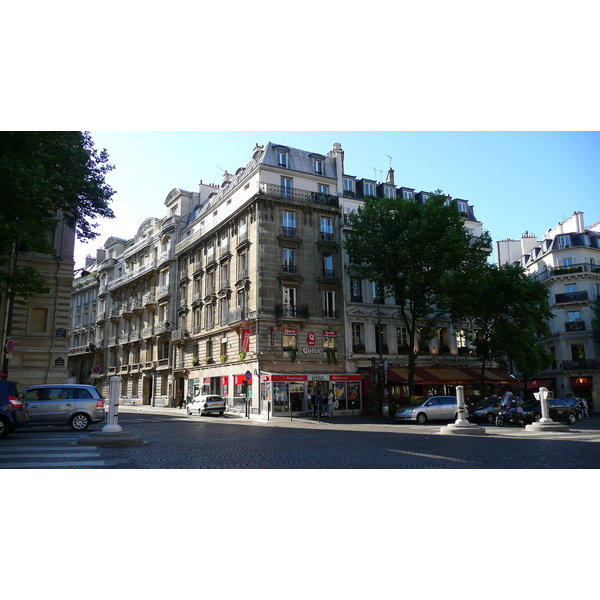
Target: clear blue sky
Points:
(517, 181)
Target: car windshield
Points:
(483, 403)
(419, 401)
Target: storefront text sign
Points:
(311, 351)
(311, 338)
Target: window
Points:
(223, 311)
(289, 338)
(377, 291)
(209, 349)
(402, 339)
(565, 262)
(381, 339)
(564, 241)
(327, 229)
(349, 187)
(357, 337)
(570, 288)
(407, 194)
(356, 289)
(574, 315)
(289, 223)
(389, 192)
(209, 316)
(286, 187)
(369, 189)
(329, 304)
(328, 265)
(282, 159)
(164, 278)
(210, 252)
(224, 275)
(318, 166)
(243, 229)
(323, 189)
(242, 265)
(289, 264)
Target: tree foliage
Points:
(421, 254)
(595, 324)
(45, 177)
(508, 311)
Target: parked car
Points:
(64, 404)
(558, 410)
(574, 402)
(207, 404)
(13, 412)
(430, 408)
(485, 410)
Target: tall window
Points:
(327, 229)
(243, 229)
(223, 311)
(209, 318)
(323, 189)
(289, 263)
(349, 187)
(242, 265)
(289, 338)
(369, 189)
(329, 304)
(389, 192)
(377, 290)
(290, 297)
(318, 166)
(564, 241)
(289, 223)
(286, 187)
(328, 265)
(356, 289)
(402, 339)
(357, 337)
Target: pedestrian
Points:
(313, 402)
(330, 404)
(325, 411)
(181, 400)
(584, 407)
(320, 403)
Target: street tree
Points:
(595, 324)
(46, 177)
(421, 254)
(507, 315)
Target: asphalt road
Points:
(174, 440)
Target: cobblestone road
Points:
(175, 440)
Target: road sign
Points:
(10, 346)
(96, 370)
(248, 375)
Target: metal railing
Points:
(283, 311)
(575, 326)
(571, 297)
(291, 193)
(570, 270)
(584, 363)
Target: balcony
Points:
(356, 298)
(575, 269)
(289, 231)
(584, 364)
(329, 313)
(328, 273)
(575, 326)
(288, 311)
(326, 236)
(289, 269)
(571, 297)
(278, 191)
(241, 314)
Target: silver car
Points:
(486, 410)
(430, 408)
(64, 404)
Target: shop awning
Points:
(582, 383)
(449, 376)
(537, 383)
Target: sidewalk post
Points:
(113, 405)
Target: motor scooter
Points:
(519, 418)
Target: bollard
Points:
(113, 405)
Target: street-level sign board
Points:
(10, 346)
(248, 376)
(96, 370)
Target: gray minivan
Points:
(430, 408)
(64, 404)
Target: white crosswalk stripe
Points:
(35, 450)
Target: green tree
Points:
(421, 254)
(45, 177)
(508, 311)
(595, 324)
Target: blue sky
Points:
(517, 181)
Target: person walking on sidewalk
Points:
(584, 408)
(181, 399)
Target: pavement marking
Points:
(62, 463)
(427, 455)
(25, 454)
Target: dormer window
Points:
(463, 208)
(318, 166)
(564, 241)
(389, 192)
(282, 159)
(369, 189)
(407, 195)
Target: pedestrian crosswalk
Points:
(48, 450)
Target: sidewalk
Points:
(587, 428)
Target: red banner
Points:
(245, 340)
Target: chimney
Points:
(390, 177)
(89, 260)
(100, 255)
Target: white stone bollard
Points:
(113, 406)
(462, 408)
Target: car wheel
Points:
(490, 417)
(5, 428)
(421, 418)
(199, 413)
(571, 418)
(189, 412)
(79, 422)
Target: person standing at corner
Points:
(313, 401)
(330, 404)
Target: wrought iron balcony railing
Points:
(291, 193)
(289, 311)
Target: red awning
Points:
(450, 376)
(582, 383)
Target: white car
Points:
(431, 408)
(207, 404)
